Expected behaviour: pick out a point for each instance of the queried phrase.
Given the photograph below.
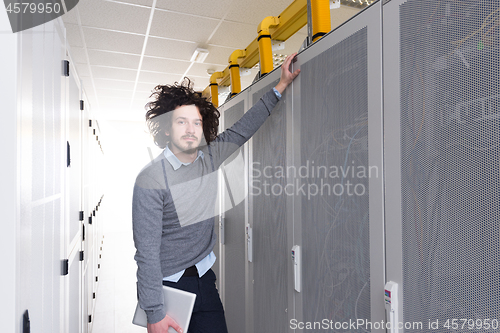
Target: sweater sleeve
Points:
(147, 213)
(235, 136)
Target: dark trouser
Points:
(208, 313)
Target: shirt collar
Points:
(174, 161)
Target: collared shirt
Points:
(206, 263)
(203, 266)
(277, 93)
(175, 162)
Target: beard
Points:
(188, 147)
(191, 150)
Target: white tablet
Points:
(178, 304)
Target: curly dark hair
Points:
(169, 97)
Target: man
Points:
(174, 200)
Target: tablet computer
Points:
(178, 304)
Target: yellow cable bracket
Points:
(234, 70)
(265, 45)
(291, 20)
(320, 16)
(214, 87)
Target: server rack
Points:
(441, 71)
(330, 117)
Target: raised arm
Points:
(235, 136)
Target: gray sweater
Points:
(173, 210)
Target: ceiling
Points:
(123, 49)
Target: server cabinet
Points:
(54, 285)
(338, 164)
(315, 180)
(74, 220)
(270, 266)
(441, 84)
(40, 163)
(90, 277)
(232, 235)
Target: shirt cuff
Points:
(277, 93)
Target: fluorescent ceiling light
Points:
(199, 55)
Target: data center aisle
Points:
(116, 293)
(116, 297)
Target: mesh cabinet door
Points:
(338, 181)
(270, 226)
(442, 105)
(335, 207)
(234, 193)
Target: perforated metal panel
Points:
(334, 177)
(450, 150)
(270, 250)
(234, 225)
